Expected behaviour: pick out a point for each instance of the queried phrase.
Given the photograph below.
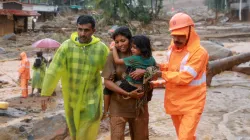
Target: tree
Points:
(142, 10)
(217, 5)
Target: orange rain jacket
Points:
(24, 70)
(185, 76)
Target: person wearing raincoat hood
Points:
(24, 74)
(78, 63)
(185, 76)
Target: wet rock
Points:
(22, 129)
(215, 50)
(136, 24)
(36, 110)
(2, 50)
(11, 36)
(157, 43)
(223, 19)
(4, 82)
(30, 137)
(21, 108)
(3, 112)
(12, 112)
(50, 128)
(28, 120)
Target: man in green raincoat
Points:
(78, 63)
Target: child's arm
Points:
(116, 57)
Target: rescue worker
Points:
(24, 74)
(78, 63)
(185, 76)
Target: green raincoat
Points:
(78, 66)
(38, 76)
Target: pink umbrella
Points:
(46, 43)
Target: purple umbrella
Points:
(46, 43)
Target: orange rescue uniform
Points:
(185, 76)
(24, 74)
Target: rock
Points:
(22, 129)
(215, 50)
(36, 110)
(53, 127)
(11, 36)
(4, 82)
(136, 24)
(30, 137)
(28, 120)
(157, 43)
(12, 112)
(223, 19)
(2, 50)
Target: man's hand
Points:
(156, 76)
(137, 94)
(111, 48)
(137, 74)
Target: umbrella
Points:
(46, 43)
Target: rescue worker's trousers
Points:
(185, 125)
(138, 126)
(24, 87)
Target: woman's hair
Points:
(143, 44)
(124, 31)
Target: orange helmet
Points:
(180, 20)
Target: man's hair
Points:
(124, 31)
(39, 54)
(85, 19)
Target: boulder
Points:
(157, 43)
(11, 36)
(2, 50)
(216, 50)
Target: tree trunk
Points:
(245, 70)
(152, 6)
(218, 66)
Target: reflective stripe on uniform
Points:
(184, 62)
(190, 70)
(199, 81)
(168, 55)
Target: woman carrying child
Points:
(123, 103)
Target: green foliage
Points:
(217, 5)
(124, 10)
(59, 37)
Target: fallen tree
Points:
(245, 70)
(220, 65)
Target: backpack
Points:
(38, 62)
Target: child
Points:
(141, 58)
(39, 68)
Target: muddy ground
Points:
(226, 114)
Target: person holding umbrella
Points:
(78, 63)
